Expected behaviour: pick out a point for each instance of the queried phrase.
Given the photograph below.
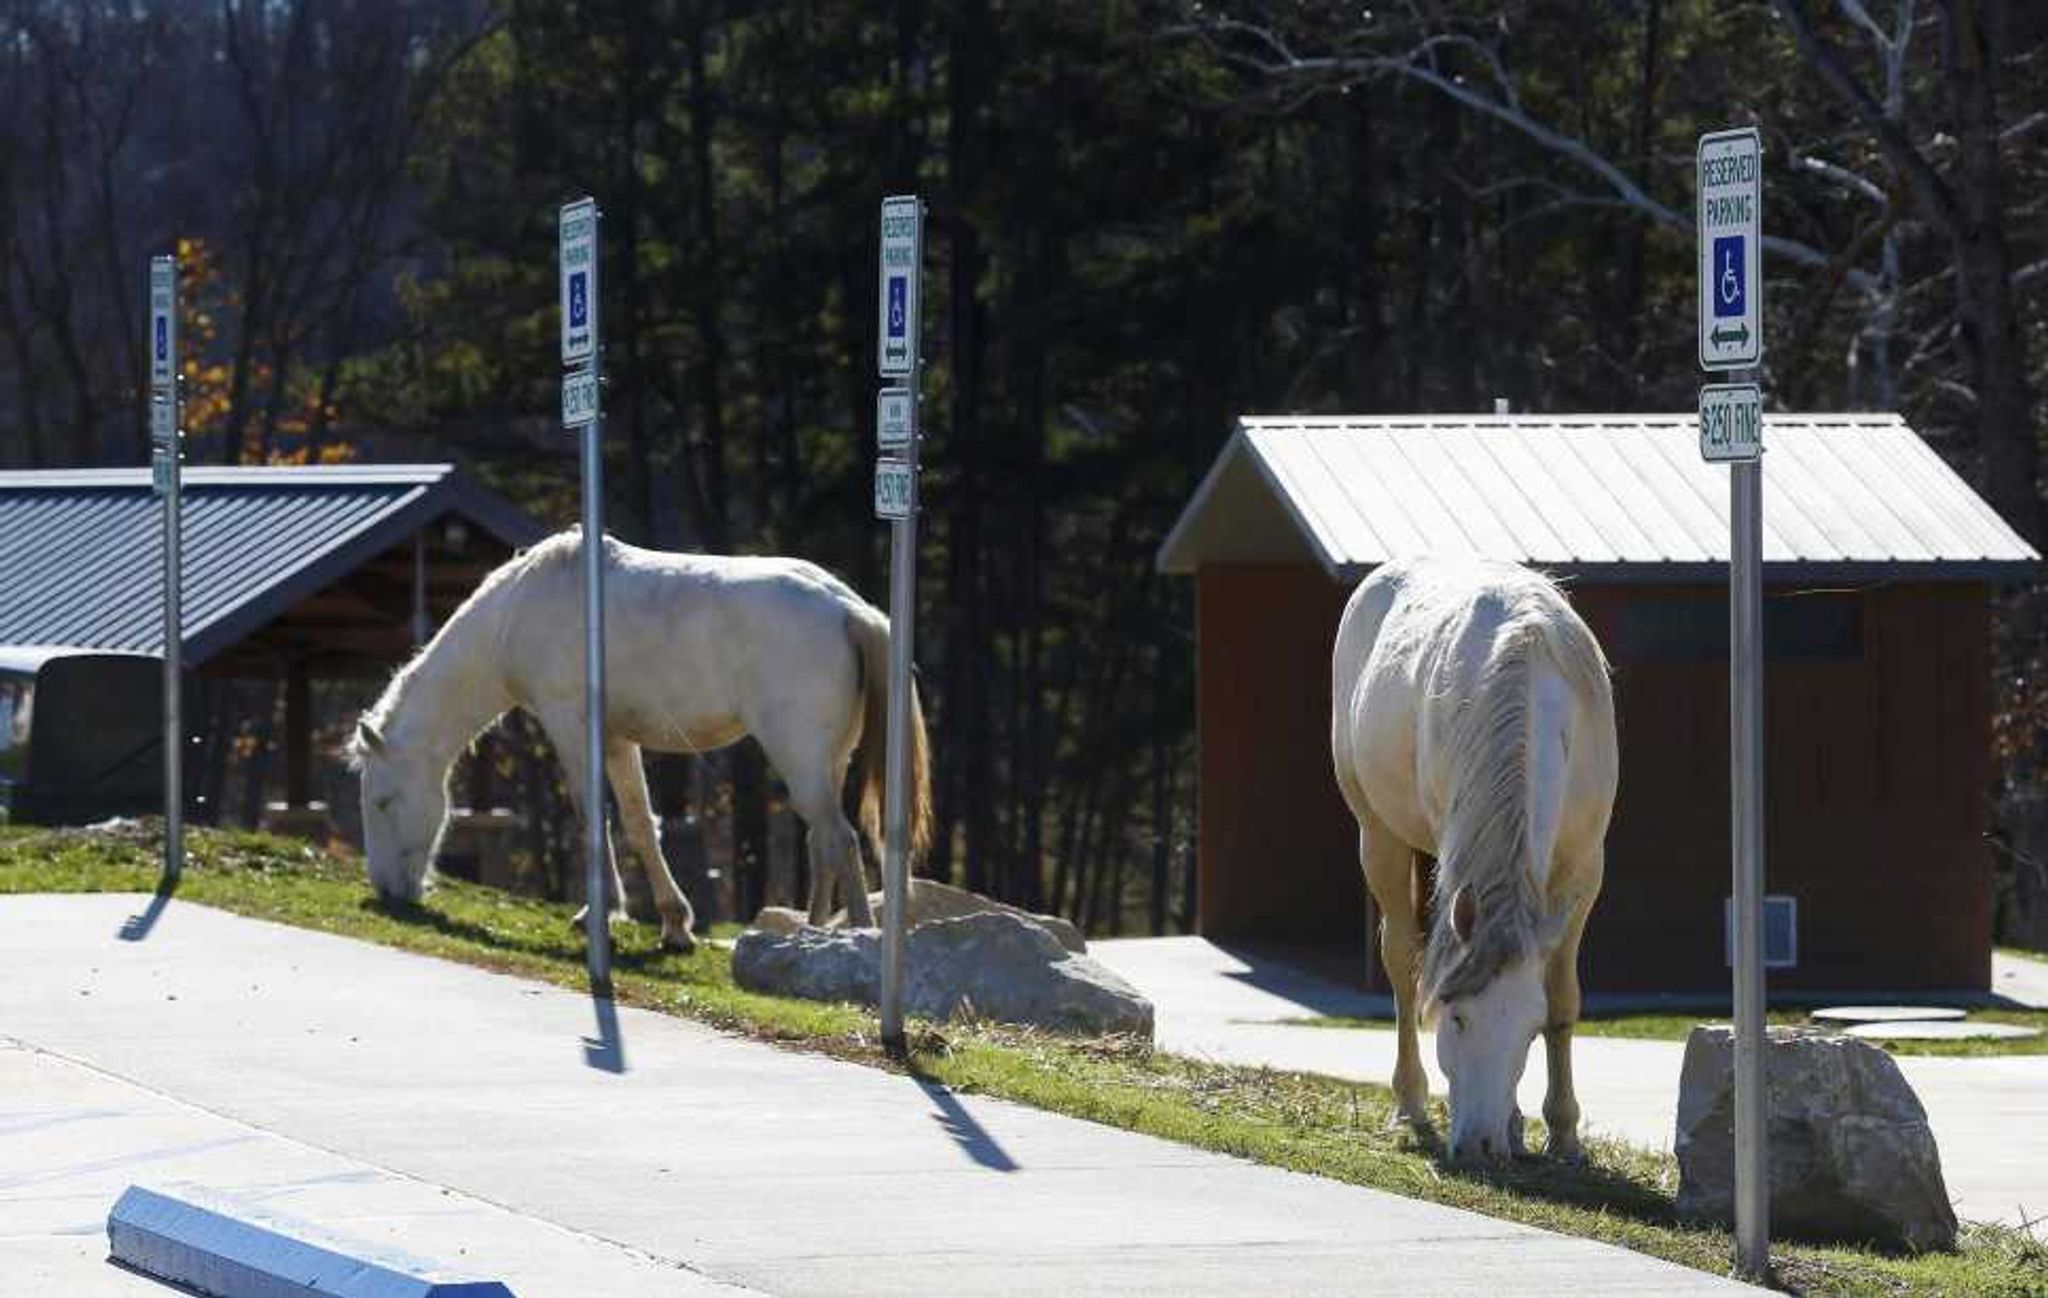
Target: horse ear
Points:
(1464, 914)
(371, 738)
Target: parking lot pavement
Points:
(721, 1160)
(73, 1137)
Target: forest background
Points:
(1146, 219)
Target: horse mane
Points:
(1485, 843)
(482, 602)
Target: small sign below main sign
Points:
(162, 469)
(578, 265)
(892, 419)
(895, 489)
(1729, 173)
(902, 248)
(1731, 422)
(163, 321)
(163, 423)
(579, 398)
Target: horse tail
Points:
(869, 632)
(1569, 643)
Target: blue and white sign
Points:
(1731, 422)
(1731, 199)
(163, 322)
(895, 489)
(163, 422)
(901, 260)
(893, 427)
(579, 398)
(578, 263)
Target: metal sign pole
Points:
(900, 356)
(582, 354)
(1729, 180)
(1746, 726)
(165, 415)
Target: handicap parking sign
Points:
(1730, 291)
(163, 338)
(579, 299)
(898, 305)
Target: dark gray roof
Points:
(81, 550)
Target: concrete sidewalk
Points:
(359, 1086)
(1990, 1116)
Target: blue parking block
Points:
(214, 1254)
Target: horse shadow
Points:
(1580, 1183)
(568, 945)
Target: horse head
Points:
(1490, 1004)
(404, 805)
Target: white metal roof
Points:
(1622, 496)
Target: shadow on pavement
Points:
(137, 928)
(971, 1136)
(606, 1051)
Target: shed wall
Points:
(1276, 855)
(1878, 764)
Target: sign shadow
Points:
(971, 1136)
(137, 928)
(606, 1051)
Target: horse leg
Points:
(1561, 990)
(812, 760)
(643, 834)
(571, 756)
(823, 874)
(1389, 866)
(834, 850)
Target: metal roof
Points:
(1623, 497)
(81, 550)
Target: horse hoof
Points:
(1566, 1151)
(679, 940)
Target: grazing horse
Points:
(1473, 722)
(700, 651)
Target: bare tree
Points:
(1947, 176)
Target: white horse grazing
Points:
(700, 651)
(1473, 722)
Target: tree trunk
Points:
(1987, 320)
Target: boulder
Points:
(930, 900)
(817, 964)
(1851, 1155)
(780, 919)
(990, 965)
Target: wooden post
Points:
(298, 735)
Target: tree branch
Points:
(1927, 188)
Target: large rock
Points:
(818, 964)
(991, 965)
(930, 900)
(779, 919)
(1851, 1155)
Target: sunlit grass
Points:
(1324, 1126)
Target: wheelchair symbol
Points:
(579, 300)
(1730, 292)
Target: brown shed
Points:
(1879, 564)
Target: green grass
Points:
(1309, 1123)
(2022, 953)
(1675, 1027)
